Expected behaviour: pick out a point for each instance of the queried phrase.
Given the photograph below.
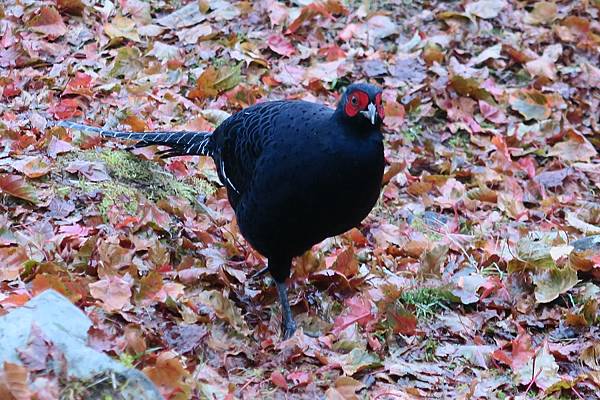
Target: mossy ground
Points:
(134, 178)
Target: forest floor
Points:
(476, 276)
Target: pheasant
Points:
(296, 172)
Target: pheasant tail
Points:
(180, 143)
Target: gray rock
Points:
(66, 327)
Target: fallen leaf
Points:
(575, 148)
(553, 282)
(281, 45)
(485, 9)
(122, 27)
(15, 378)
(543, 12)
(542, 369)
(224, 309)
(531, 104)
(48, 22)
(358, 310)
(16, 186)
(32, 167)
(11, 262)
(279, 380)
(358, 360)
(113, 291)
(95, 171)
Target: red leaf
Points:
(80, 84)
(153, 217)
(346, 263)
(521, 351)
(16, 186)
(66, 109)
(299, 378)
(404, 322)
(281, 45)
(278, 380)
(358, 311)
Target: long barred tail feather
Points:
(181, 143)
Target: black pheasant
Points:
(295, 172)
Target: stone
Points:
(66, 326)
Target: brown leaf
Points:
(16, 186)
(113, 291)
(32, 167)
(168, 370)
(16, 379)
(122, 27)
(543, 12)
(48, 22)
(93, 170)
(11, 262)
(531, 104)
(74, 7)
(58, 146)
(224, 309)
(575, 148)
(345, 389)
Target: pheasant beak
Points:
(370, 113)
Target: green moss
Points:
(412, 133)
(135, 178)
(421, 226)
(427, 301)
(459, 140)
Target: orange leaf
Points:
(346, 263)
(136, 124)
(205, 85)
(168, 370)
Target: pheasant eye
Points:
(354, 100)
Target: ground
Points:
(475, 276)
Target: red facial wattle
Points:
(356, 101)
(379, 106)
